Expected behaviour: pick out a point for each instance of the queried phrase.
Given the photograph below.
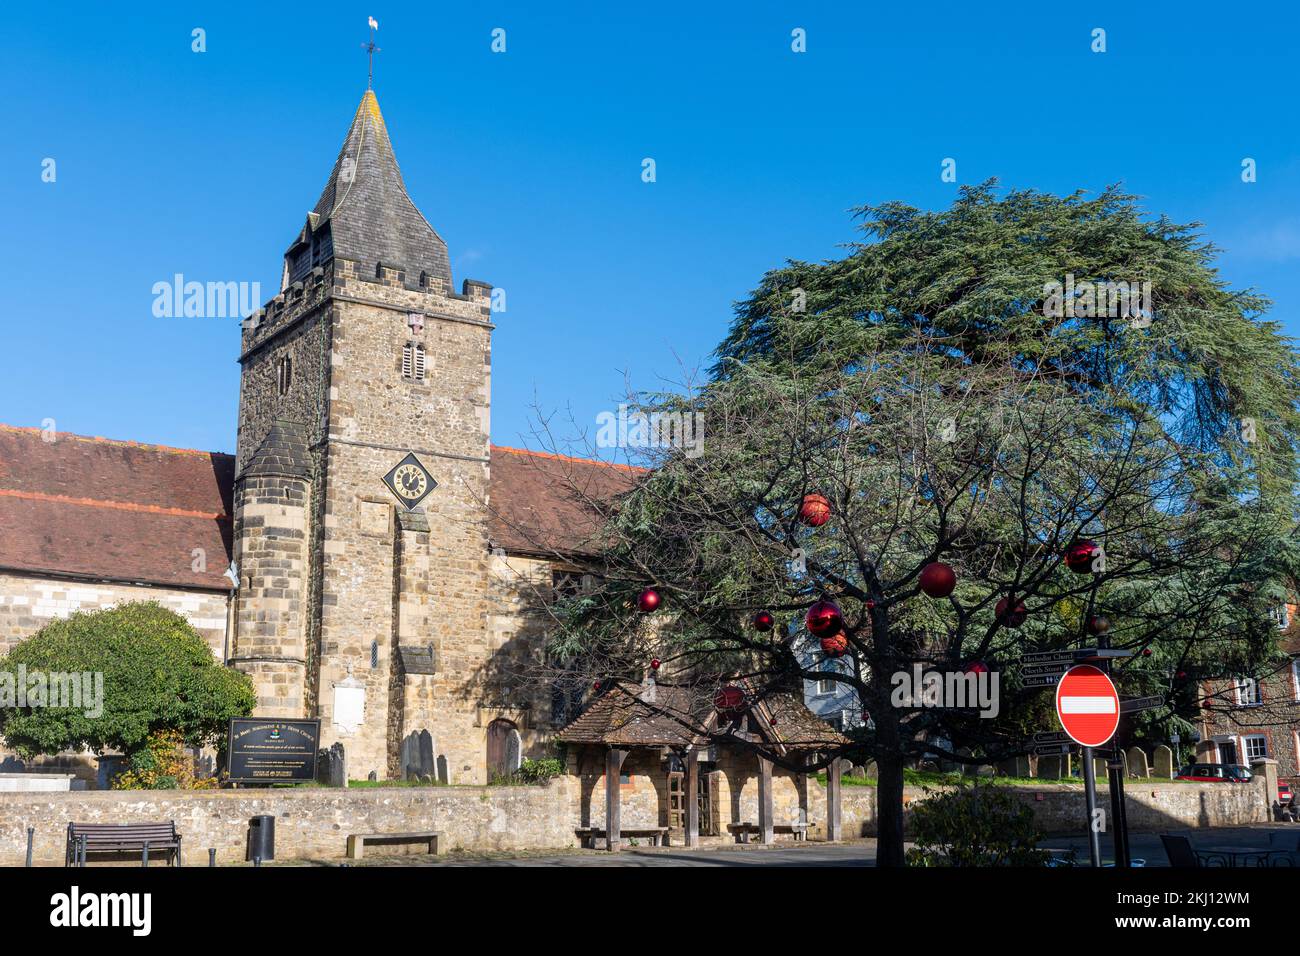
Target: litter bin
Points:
(261, 838)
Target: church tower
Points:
(361, 526)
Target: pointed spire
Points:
(365, 214)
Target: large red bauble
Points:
(815, 510)
(938, 580)
(977, 667)
(824, 619)
(654, 664)
(1080, 555)
(763, 621)
(1011, 618)
(835, 646)
(648, 600)
(729, 700)
(1098, 624)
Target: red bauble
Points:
(977, 667)
(1181, 675)
(1146, 652)
(763, 621)
(648, 600)
(835, 646)
(729, 700)
(596, 686)
(654, 664)
(1206, 705)
(824, 619)
(1080, 555)
(815, 510)
(938, 580)
(1098, 624)
(1012, 618)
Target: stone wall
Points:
(310, 823)
(1060, 809)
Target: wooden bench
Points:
(357, 841)
(743, 831)
(84, 838)
(590, 836)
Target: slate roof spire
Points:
(365, 214)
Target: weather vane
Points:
(371, 50)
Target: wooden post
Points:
(613, 796)
(834, 828)
(766, 833)
(692, 798)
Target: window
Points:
(1281, 616)
(1248, 692)
(413, 362)
(284, 374)
(1256, 746)
(835, 720)
(1295, 677)
(826, 687)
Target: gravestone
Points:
(1164, 761)
(871, 770)
(1049, 768)
(444, 777)
(425, 750)
(514, 751)
(1099, 768)
(417, 755)
(331, 767)
(859, 773)
(1137, 762)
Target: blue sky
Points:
(529, 165)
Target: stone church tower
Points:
(361, 519)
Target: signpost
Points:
(270, 750)
(1135, 704)
(1087, 705)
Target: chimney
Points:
(648, 689)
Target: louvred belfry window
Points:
(413, 362)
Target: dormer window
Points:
(284, 374)
(413, 362)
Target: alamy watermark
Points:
(637, 429)
(75, 690)
(976, 688)
(1085, 300)
(204, 300)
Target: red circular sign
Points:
(1087, 706)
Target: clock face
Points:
(410, 481)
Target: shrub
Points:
(163, 764)
(539, 771)
(158, 676)
(974, 826)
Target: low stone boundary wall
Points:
(310, 822)
(1160, 808)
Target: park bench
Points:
(84, 838)
(590, 836)
(357, 841)
(743, 831)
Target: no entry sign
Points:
(1087, 705)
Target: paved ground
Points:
(1145, 846)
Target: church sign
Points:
(267, 750)
(410, 481)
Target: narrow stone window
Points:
(413, 362)
(284, 374)
(374, 654)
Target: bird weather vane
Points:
(371, 50)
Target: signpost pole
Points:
(1090, 797)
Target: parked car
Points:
(1284, 794)
(1217, 773)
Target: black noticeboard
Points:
(269, 750)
